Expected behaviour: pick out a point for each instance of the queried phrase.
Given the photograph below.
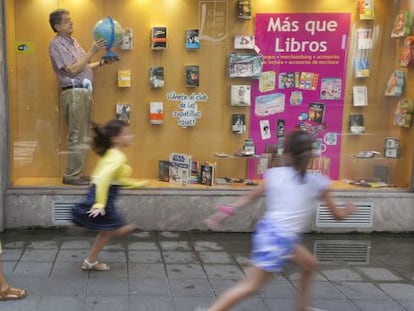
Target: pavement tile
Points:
(379, 305)
(148, 303)
(39, 255)
(215, 257)
(107, 303)
(223, 271)
(185, 271)
(399, 291)
(53, 303)
(191, 287)
(361, 291)
(140, 246)
(146, 270)
(379, 274)
(111, 287)
(144, 256)
(171, 257)
(149, 287)
(175, 245)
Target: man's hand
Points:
(97, 46)
(213, 222)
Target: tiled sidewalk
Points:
(167, 271)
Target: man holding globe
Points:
(73, 69)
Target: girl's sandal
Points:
(95, 266)
(12, 294)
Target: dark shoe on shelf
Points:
(87, 178)
(75, 182)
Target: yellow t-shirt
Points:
(112, 169)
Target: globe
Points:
(111, 31)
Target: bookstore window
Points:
(211, 97)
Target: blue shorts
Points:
(272, 246)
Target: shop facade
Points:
(259, 69)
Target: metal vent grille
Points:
(62, 213)
(350, 251)
(362, 218)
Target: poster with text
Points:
(302, 81)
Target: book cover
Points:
(269, 104)
(195, 172)
(395, 84)
(180, 169)
(163, 170)
(402, 25)
(192, 39)
(265, 129)
(407, 52)
(288, 80)
(366, 9)
(403, 113)
(123, 112)
(238, 123)
(192, 76)
(124, 78)
(240, 95)
(361, 67)
(159, 38)
(245, 65)
(207, 172)
(317, 112)
(331, 88)
(156, 112)
(267, 81)
(308, 80)
(244, 9)
(356, 123)
(156, 76)
(127, 43)
(244, 42)
(360, 96)
(364, 39)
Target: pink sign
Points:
(302, 84)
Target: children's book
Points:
(317, 112)
(156, 76)
(207, 173)
(244, 9)
(407, 52)
(244, 42)
(331, 88)
(402, 24)
(123, 112)
(156, 113)
(163, 170)
(265, 129)
(308, 80)
(269, 104)
(267, 81)
(395, 84)
(180, 169)
(240, 95)
(366, 9)
(192, 76)
(192, 39)
(356, 123)
(360, 96)
(404, 113)
(238, 123)
(288, 80)
(159, 38)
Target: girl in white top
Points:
(290, 193)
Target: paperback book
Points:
(402, 24)
(395, 84)
(192, 39)
(317, 112)
(238, 123)
(267, 81)
(356, 123)
(123, 112)
(244, 9)
(207, 172)
(366, 9)
(331, 88)
(360, 96)
(192, 76)
(159, 38)
(163, 170)
(156, 76)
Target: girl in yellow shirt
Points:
(98, 211)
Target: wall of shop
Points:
(29, 113)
